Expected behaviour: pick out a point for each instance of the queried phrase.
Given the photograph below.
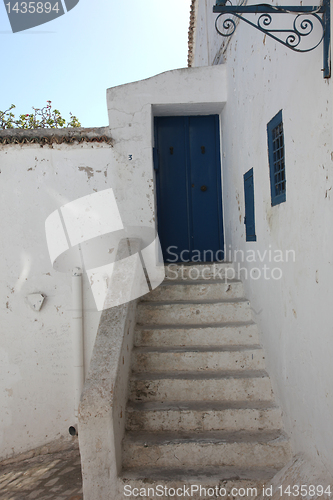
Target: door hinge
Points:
(155, 158)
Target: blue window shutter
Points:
(276, 158)
(250, 228)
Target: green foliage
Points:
(40, 118)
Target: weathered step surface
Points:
(241, 333)
(200, 271)
(214, 448)
(197, 358)
(202, 475)
(196, 290)
(203, 416)
(194, 312)
(252, 385)
(205, 482)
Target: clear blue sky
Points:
(99, 44)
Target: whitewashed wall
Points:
(36, 354)
(294, 313)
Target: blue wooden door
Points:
(188, 180)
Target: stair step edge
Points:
(182, 326)
(147, 439)
(155, 304)
(133, 406)
(196, 349)
(210, 281)
(190, 375)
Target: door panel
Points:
(188, 179)
(172, 201)
(205, 184)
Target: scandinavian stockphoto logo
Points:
(122, 263)
(26, 15)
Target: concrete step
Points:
(193, 312)
(201, 386)
(203, 475)
(154, 359)
(214, 448)
(245, 333)
(197, 483)
(186, 416)
(196, 290)
(200, 271)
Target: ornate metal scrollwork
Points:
(303, 24)
(228, 24)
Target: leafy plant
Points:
(40, 118)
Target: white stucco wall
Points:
(206, 43)
(36, 353)
(294, 313)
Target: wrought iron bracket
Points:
(303, 24)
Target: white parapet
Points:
(103, 401)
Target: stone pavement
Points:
(55, 476)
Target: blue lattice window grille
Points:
(276, 156)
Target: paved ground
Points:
(46, 477)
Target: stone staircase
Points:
(201, 409)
